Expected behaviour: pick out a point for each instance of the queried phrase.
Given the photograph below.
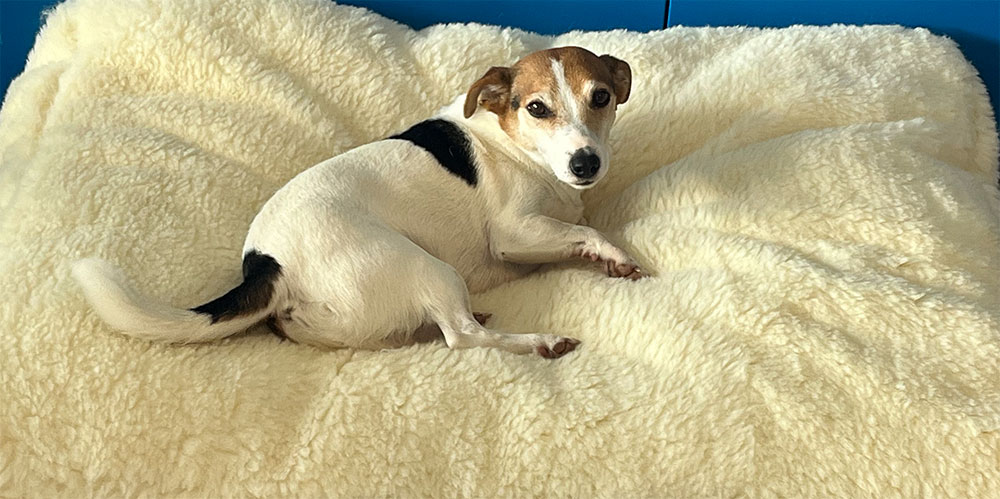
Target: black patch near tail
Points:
(253, 294)
(447, 143)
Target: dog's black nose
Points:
(584, 163)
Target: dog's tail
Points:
(127, 310)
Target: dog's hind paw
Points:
(557, 347)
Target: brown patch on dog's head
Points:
(502, 86)
(492, 91)
(621, 77)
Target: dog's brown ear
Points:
(621, 77)
(492, 91)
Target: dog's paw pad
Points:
(557, 348)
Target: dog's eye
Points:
(600, 98)
(538, 110)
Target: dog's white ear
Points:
(492, 91)
(621, 77)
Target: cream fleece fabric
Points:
(818, 208)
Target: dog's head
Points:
(557, 105)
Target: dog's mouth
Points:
(584, 183)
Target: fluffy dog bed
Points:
(818, 207)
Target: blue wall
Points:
(974, 24)
(547, 17)
(19, 22)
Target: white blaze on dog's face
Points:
(558, 106)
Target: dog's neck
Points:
(485, 127)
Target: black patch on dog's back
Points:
(260, 271)
(449, 145)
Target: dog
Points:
(370, 246)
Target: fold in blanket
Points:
(818, 208)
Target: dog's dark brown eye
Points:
(601, 98)
(538, 110)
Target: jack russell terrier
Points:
(368, 247)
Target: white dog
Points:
(366, 247)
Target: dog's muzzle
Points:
(585, 163)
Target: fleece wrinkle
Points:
(817, 207)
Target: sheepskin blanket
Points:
(817, 206)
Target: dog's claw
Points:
(626, 270)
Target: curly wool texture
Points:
(818, 207)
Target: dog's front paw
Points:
(553, 347)
(628, 269)
(617, 263)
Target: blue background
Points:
(974, 24)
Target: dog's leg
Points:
(540, 239)
(446, 298)
(431, 332)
